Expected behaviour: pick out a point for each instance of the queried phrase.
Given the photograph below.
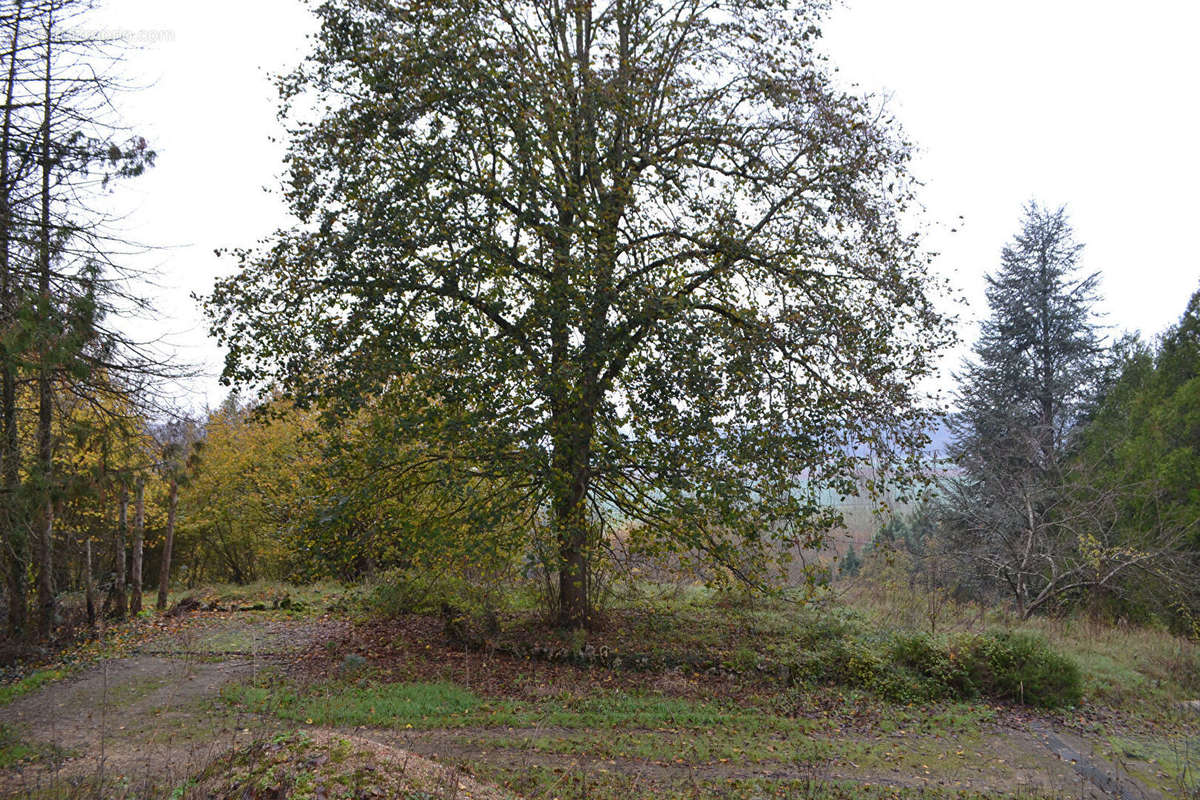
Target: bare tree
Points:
(139, 534)
(119, 603)
(179, 444)
(1045, 542)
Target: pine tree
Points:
(61, 279)
(1036, 376)
(851, 563)
(1039, 355)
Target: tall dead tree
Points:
(119, 602)
(164, 569)
(179, 443)
(15, 536)
(139, 533)
(44, 515)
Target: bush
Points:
(1022, 668)
(925, 668)
(1011, 667)
(400, 591)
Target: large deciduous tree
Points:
(634, 260)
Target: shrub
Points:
(1020, 667)
(1013, 667)
(925, 668)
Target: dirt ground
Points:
(156, 714)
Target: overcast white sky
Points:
(1084, 102)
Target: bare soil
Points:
(154, 714)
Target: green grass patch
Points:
(1168, 763)
(773, 639)
(780, 742)
(30, 683)
(545, 782)
(13, 750)
(445, 705)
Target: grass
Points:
(30, 683)
(665, 625)
(1136, 669)
(689, 685)
(887, 644)
(644, 727)
(13, 750)
(544, 783)
(445, 705)
(829, 644)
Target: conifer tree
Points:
(1039, 355)
(61, 276)
(1022, 401)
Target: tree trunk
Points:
(119, 609)
(10, 460)
(46, 599)
(89, 582)
(571, 457)
(574, 605)
(139, 531)
(45, 515)
(164, 570)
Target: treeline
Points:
(1072, 482)
(272, 493)
(73, 387)
(1074, 474)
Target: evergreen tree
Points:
(61, 276)
(1037, 373)
(851, 563)
(1039, 357)
(1146, 435)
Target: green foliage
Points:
(1021, 667)
(1147, 429)
(920, 667)
(851, 563)
(29, 683)
(655, 293)
(1142, 448)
